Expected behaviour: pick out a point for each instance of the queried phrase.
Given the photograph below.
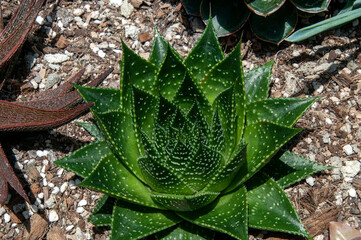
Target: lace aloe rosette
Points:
(182, 147)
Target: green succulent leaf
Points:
(134, 222)
(184, 202)
(311, 6)
(84, 160)
(186, 231)
(112, 178)
(228, 16)
(145, 116)
(257, 82)
(264, 7)
(123, 137)
(283, 111)
(263, 140)
(102, 213)
(188, 94)
(225, 176)
(92, 129)
(277, 26)
(205, 164)
(288, 168)
(231, 208)
(159, 49)
(105, 99)
(270, 208)
(205, 54)
(160, 177)
(171, 75)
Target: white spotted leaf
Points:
(227, 214)
(84, 160)
(184, 203)
(270, 209)
(92, 129)
(105, 99)
(205, 54)
(135, 222)
(113, 178)
(159, 49)
(257, 82)
(263, 140)
(103, 211)
(288, 168)
(283, 111)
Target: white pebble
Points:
(63, 187)
(41, 195)
(53, 216)
(6, 218)
(40, 20)
(80, 210)
(101, 54)
(352, 192)
(68, 228)
(60, 172)
(348, 149)
(45, 182)
(310, 180)
(51, 185)
(82, 203)
(18, 166)
(2, 211)
(328, 121)
(55, 190)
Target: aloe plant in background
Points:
(271, 21)
(350, 12)
(183, 145)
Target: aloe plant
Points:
(271, 21)
(182, 147)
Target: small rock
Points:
(35, 188)
(116, 3)
(50, 203)
(65, 17)
(55, 190)
(351, 169)
(326, 138)
(40, 20)
(296, 53)
(328, 121)
(310, 180)
(56, 58)
(52, 80)
(80, 210)
(78, 12)
(2, 211)
(348, 149)
(131, 32)
(319, 237)
(352, 192)
(126, 9)
(63, 187)
(291, 83)
(82, 203)
(53, 216)
(101, 54)
(6, 218)
(69, 228)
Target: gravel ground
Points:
(70, 35)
